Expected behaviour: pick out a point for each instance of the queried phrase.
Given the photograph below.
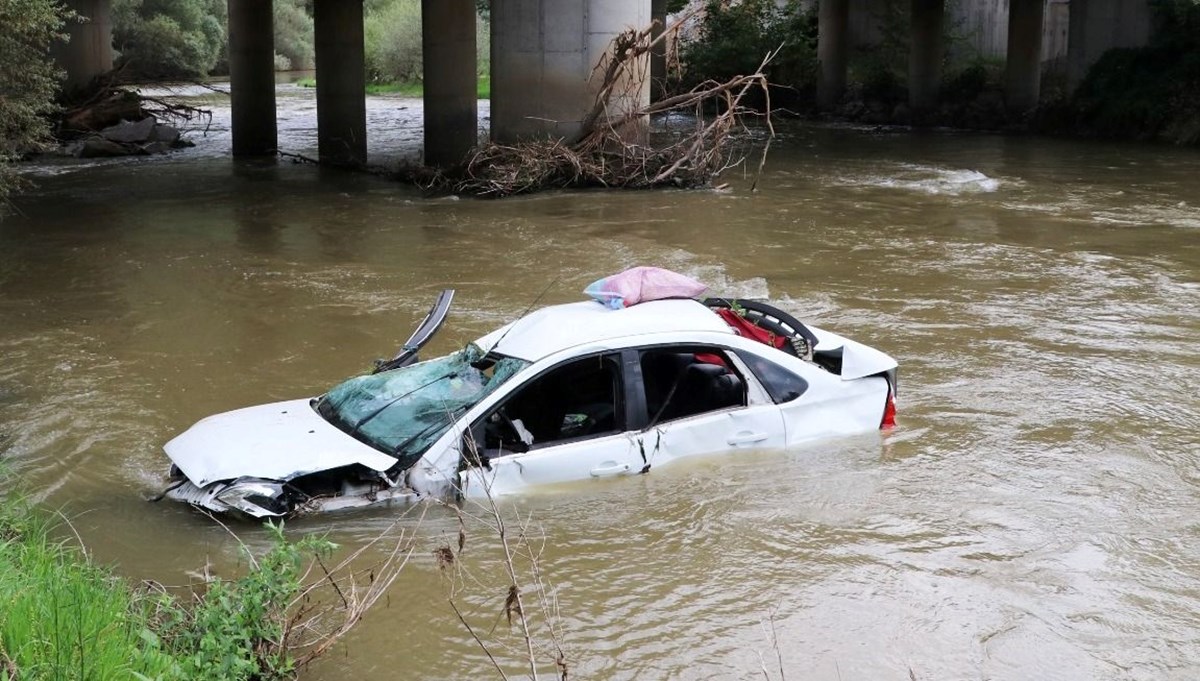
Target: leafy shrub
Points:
(393, 41)
(733, 38)
(879, 73)
(1147, 92)
(969, 82)
(28, 79)
(165, 39)
(877, 79)
(236, 630)
(293, 35)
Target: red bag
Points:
(744, 327)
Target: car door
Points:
(567, 423)
(703, 400)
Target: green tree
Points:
(165, 39)
(28, 78)
(393, 41)
(733, 38)
(294, 33)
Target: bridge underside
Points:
(544, 53)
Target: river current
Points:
(1033, 516)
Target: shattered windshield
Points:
(405, 410)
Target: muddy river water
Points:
(1035, 515)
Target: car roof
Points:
(559, 327)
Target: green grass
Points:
(62, 617)
(411, 89)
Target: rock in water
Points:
(130, 132)
(98, 147)
(165, 134)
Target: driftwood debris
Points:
(105, 119)
(613, 148)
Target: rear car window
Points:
(781, 384)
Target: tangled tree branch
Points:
(612, 147)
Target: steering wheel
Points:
(506, 432)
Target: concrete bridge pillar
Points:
(1023, 68)
(451, 97)
(89, 51)
(658, 53)
(925, 57)
(833, 41)
(543, 56)
(341, 82)
(252, 78)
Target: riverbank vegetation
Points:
(731, 39)
(28, 80)
(187, 39)
(483, 88)
(64, 617)
(169, 39)
(1147, 93)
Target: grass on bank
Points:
(63, 617)
(409, 89)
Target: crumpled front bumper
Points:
(224, 497)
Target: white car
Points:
(567, 392)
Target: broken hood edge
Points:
(277, 441)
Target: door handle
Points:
(746, 438)
(611, 469)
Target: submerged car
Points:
(566, 392)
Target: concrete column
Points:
(658, 53)
(925, 57)
(833, 42)
(89, 51)
(543, 56)
(451, 98)
(341, 82)
(1023, 68)
(252, 78)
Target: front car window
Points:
(405, 410)
(577, 400)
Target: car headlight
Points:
(256, 498)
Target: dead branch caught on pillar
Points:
(612, 148)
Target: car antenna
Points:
(514, 323)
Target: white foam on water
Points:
(927, 180)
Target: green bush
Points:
(293, 35)
(166, 39)
(733, 38)
(1147, 92)
(879, 73)
(28, 78)
(393, 41)
(236, 630)
(967, 83)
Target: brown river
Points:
(1035, 514)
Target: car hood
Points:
(278, 441)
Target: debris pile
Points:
(119, 122)
(612, 148)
